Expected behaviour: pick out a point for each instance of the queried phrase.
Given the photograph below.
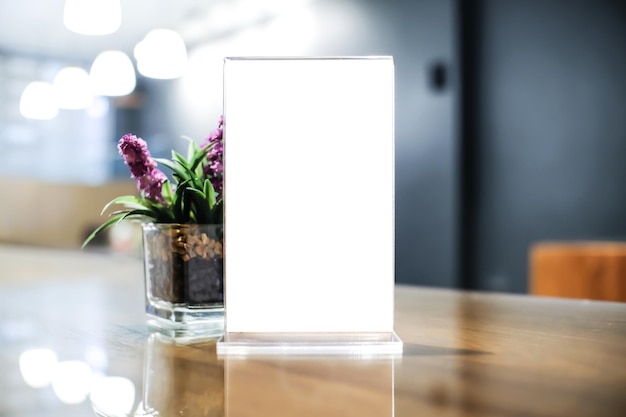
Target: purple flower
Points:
(152, 185)
(214, 169)
(135, 152)
(143, 168)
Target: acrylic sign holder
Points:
(309, 206)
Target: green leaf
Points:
(217, 213)
(129, 201)
(183, 164)
(176, 157)
(180, 207)
(177, 207)
(197, 192)
(166, 192)
(210, 193)
(160, 213)
(198, 201)
(191, 148)
(137, 213)
(181, 174)
(198, 157)
(187, 208)
(114, 219)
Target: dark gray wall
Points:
(548, 140)
(420, 34)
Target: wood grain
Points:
(465, 354)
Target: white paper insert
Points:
(309, 214)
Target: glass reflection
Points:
(71, 381)
(37, 367)
(112, 396)
(182, 379)
(309, 386)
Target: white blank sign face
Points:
(309, 214)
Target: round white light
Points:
(112, 396)
(38, 101)
(73, 89)
(71, 381)
(112, 74)
(161, 54)
(36, 367)
(92, 17)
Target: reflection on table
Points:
(290, 387)
(74, 340)
(190, 380)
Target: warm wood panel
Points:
(54, 214)
(595, 270)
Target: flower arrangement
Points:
(195, 196)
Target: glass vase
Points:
(183, 265)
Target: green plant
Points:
(193, 196)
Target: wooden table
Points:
(465, 354)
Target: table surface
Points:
(74, 339)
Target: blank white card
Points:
(309, 213)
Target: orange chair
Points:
(588, 270)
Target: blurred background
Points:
(510, 114)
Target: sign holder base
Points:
(309, 344)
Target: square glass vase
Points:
(184, 280)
